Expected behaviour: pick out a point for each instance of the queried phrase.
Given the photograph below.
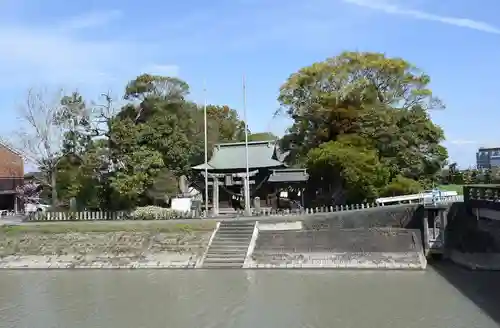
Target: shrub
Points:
(401, 186)
(155, 213)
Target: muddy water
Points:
(448, 297)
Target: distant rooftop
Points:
(488, 148)
(232, 156)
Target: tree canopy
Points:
(359, 123)
(365, 114)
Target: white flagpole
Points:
(247, 184)
(206, 145)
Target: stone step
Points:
(216, 265)
(215, 259)
(225, 257)
(249, 231)
(231, 234)
(232, 237)
(224, 250)
(224, 254)
(229, 244)
(237, 225)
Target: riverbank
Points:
(146, 244)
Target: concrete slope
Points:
(342, 248)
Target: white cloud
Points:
(91, 20)
(417, 14)
(165, 70)
(56, 54)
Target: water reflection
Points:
(235, 298)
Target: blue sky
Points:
(97, 46)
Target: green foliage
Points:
(384, 101)
(143, 149)
(227, 123)
(349, 157)
(138, 168)
(262, 136)
(400, 185)
(360, 124)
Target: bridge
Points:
(422, 198)
(468, 228)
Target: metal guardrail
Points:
(442, 200)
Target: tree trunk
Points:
(53, 186)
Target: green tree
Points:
(262, 136)
(355, 161)
(383, 100)
(159, 130)
(227, 123)
(400, 185)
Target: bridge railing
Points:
(442, 200)
(482, 196)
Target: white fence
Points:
(102, 216)
(124, 215)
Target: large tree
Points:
(383, 100)
(165, 132)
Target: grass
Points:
(452, 187)
(103, 227)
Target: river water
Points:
(439, 297)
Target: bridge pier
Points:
(426, 234)
(434, 228)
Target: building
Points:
(269, 175)
(11, 177)
(487, 158)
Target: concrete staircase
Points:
(229, 246)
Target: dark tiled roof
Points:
(289, 175)
(232, 156)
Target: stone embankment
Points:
(112, 246)
(369, 239)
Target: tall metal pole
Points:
(206, 145)
(247, 180)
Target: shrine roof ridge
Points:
(243, 143)
(231, 156)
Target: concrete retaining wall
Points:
(339, 248)
(464, 233)
(398, 216)
(470, 242)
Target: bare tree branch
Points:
(39, 138)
